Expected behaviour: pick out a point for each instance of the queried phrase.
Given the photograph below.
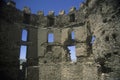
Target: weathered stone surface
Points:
(96, 60)
(62, 12)
(26, 10)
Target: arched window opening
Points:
(107, 38)
(114, 36)
(24, 35)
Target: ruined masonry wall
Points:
(51, 61)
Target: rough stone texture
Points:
(98, 60)
(71, 71)
(50, 71)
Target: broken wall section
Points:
(82, 40)
(49, 53)
(105, 27)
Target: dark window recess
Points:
(105, 69)
(49, 48)
(113, 16)
(106, 38)
(50, 21)
(108, 55)
(45, 61)
(26, 18)
(100, 61)
(72, 18)
(114, 36)
(116, 53)
(103, 32)
(104, 20)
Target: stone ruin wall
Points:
(97, 61)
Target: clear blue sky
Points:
(47, 5)
(72, 53)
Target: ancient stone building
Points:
(98, 60)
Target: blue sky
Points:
(47, 5)
(23, 51)
(72, 53)
(23, 48)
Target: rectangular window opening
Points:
(49, 48)
(50, 37)
(50, 21)
(72, 18)
(72, 53)
(23, 52)
(26, 18)
(73, 35)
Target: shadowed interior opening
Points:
(72, 18)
